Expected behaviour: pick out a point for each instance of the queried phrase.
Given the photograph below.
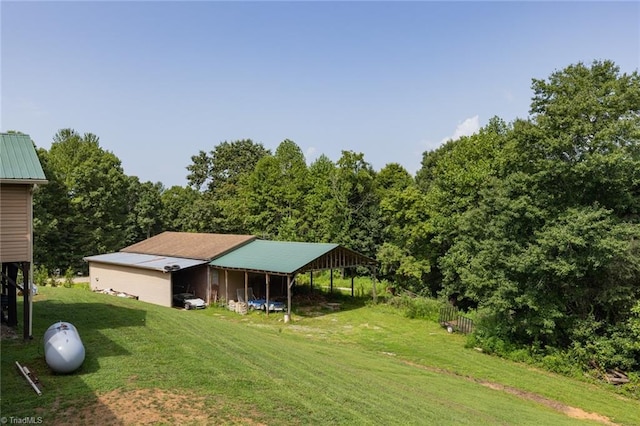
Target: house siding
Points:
(148, 285)
(15, 223)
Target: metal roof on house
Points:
(19, 161)
(288, 258)
(189, 245)
(146, 261)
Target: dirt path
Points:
(573, 412)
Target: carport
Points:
(286, 259)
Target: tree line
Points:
(535, 223)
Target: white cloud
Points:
(508, 95)
(310, 154)
(467, 128)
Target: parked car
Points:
(260, 304)
(188, 301)
(254, 303)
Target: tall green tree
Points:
(275, 193)
(407, 253)
(179, 205)
(356, 216)
(96, 191)
(589, 119)
(224, 165)
(219, 172)
(145, 214)
(52, 223)
(548, 248)
(319, 202)
(422, 221)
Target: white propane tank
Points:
(63, 349)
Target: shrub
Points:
(417, 307)
(426, 308)
(68, 278)
(40, 276)
(53, 282)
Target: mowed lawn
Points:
(146, 364)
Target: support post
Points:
(209, 285)
(373, 285)
(26, 311)
(289, 285)
(352, 285)
(331, 285)
(311, 281)
(266, 307)
(226, 286)
(246, 288)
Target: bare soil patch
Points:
(145, 407)
(573, 412)
(8, 332)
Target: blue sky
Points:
(160, 81)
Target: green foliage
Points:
(274, 194)
(53, 281)
(180, 207)
(52, 219)
(82, 286)
(544, 238)
(319, 202)
(40, 275)
(69, 275)
(222, 172)
(145, 213)
(417, 307)
(83, 209)
(406, 256)
(355, 212)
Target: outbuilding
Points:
(215, 267)
(155, 269)
(270, 267)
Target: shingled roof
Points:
(189, 245)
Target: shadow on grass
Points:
(318, 303)
(64, 395)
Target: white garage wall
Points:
(150, 286)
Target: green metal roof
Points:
(18, 160)
(284, 257)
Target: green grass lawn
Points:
(360, 365)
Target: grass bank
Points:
(359, 365)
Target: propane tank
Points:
(63, 349)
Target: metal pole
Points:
(267, 299)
